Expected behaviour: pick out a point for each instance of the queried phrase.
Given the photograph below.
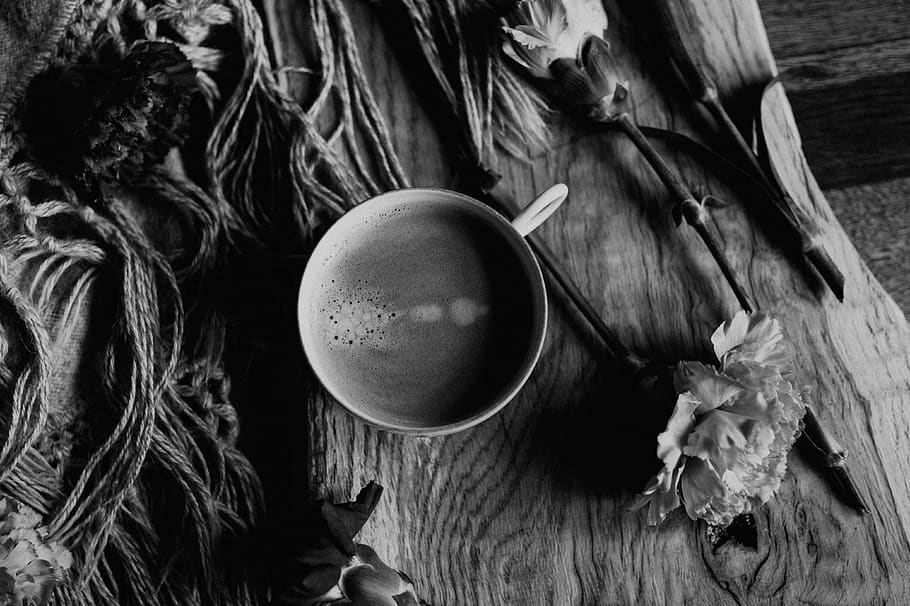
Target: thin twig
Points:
(835, 458)
(502, 200)
(803, 225)
(693, 211)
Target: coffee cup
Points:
(424, 311)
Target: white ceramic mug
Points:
(423, 311)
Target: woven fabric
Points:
(29, 31)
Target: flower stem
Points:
(835, 458)
(787, 207)
(691, 68)
(503, 201)
(694, 212)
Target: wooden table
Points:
(530, 508)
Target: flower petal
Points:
(532, 12)
(553, 20)
(754, 376)
(365, 586)
(752, 337)
(751, 405)
(532, 59)
(19, 557)
(666, 499)
(671, 441)
(718, 438)
(699, 485)
(708, 385)
(661, 495)
(528, 36)
(585, 17)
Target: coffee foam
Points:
(356, 318)
(361, 318)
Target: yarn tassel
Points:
(174, 442)
(459, 43)
(264, 140)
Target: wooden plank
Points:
(869, 140)
(868, 89)
(847, 67)
(800, 27)
(530, 507)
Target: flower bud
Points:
(368, 581)
(560, 42)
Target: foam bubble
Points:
(426, 313)
(356, 316)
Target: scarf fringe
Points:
(264, 140)
(460, 42)
(167, 467)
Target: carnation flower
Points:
(725, 447)
(561, 43)
(30, 566)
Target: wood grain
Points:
(530, 507)
(876, 216)
(811, 26)
(868, 88)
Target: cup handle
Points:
(540, 209)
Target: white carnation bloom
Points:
(725, 447)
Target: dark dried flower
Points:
(90, 122)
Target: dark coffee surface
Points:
(423, 315)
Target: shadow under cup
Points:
(422, 311)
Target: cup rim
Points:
(534, 275)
